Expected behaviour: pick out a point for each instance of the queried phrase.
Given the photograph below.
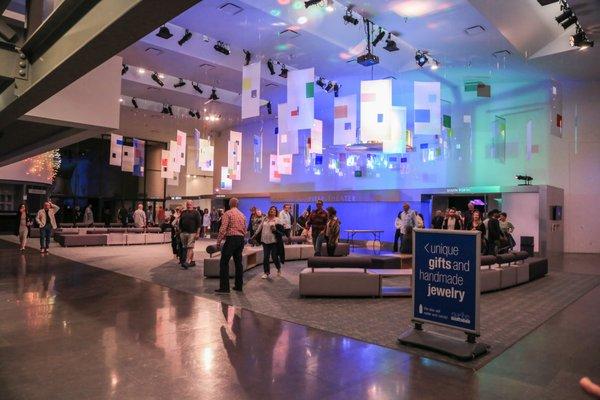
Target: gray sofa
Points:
(339, 282)
(109, 236)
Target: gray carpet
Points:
(506, 316)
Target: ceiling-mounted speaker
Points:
(546, 2)
(484, 90)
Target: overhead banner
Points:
(181, 147)
(344, 120)
(274, 175)
(139, 154)
(165, 172)
(234, 155)
(174, 180)
(257, 152)
(116, 149)
(375, 110)
(127, 159)
(397, 142)
(446, 278)
(206, 154)
(251, 90)
(287, 140)
(316, 138)
(301, 99)
(226, 181)
(174, 152)
(284, 164)
(428, 107)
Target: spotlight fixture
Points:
(390, 44)
(269, 109)
(349, 18)
(421, 58)
(271, 67)
(222, 48)
(581, 40)
(124, 69)
(213, 95)
(566, 14)
(187, 36)
(525, 178)
(135, 104)
(191, 113)
(379, 37)
(156, 79)
(170, 109)
(336, 89)
(165, 109)
(164, 32)
(311, 3)
(570, 21)
(321, 82)
(197, 87)
(329, 87)
(247, 57)
(197, 114)
(284, 71)
(180, 83)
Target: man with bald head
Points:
(190, 224)
(233, 230)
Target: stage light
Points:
(141, 71)
(564, 15)
(165, 110)
(187, 36)
(222, 48)
(124, 69)
(213, 95)
(180, 83)
(197, 87)
(156, 79)
(271, 67)
(328, 87)
(284, 71)
(164, 32)
(197, 114)
(570, 21)
(191, 113)
(247, 57)
(349, 18)
(378, 38)
(135, 104)
(525, 178)
(170, 109)
(321, 82)
(435, 65)
(390, 44)
(120, 99)
(421, 58)
(269, 109)
(311, 3)
(336, 89)
(585, 44)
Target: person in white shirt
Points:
(285, 217)
(139, 217)
(206, 222)
(404, 219)
(46, 220)
(88, 216)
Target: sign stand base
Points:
(464, 351)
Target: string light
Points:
(45, 165)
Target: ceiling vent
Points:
(474, 30)
(502, 54)
(289, 34)
(153, 51)
(231, 9)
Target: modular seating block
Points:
(82, 240)
(386, 262)
(522, 273)
(489, 280)
(338, 282)
(116, 238)
(211, 266)
(135, 238)
(306, 251)
(359, 262)
(538, 267)
(508, 277)
(487, 260)
(342, 249)
(293, 252)
(154, 238)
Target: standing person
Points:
(123, 215)
(139, 217)
(405, 218)
(175, 240)
(301, 223)
(22, 226)
(317, 221)
(250, 228)
(332, 231)
(206, 222)
(190, 224)
(232, 230)
(468, 222)
(150, 216)
(493, 232)
(255, 223)
(438, 220)
(285, 216)
(507, 229)
(214, 218)
(269, 233)
(478, 225)
(106, 216)
(76, 214)
(160, 216)
(46, 220)
(453, 221)
(88, 216)
(420, 221)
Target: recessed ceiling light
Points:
(302, 20)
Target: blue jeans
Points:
(45, 234)
(320, 239)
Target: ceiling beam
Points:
(103, 31)
(3, 5)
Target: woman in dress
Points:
(332, 231)
(478, 225)
(22, 226)
(270, 232)
(206, 222)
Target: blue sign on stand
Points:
(446, 278)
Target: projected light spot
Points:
(275, 12)
(302, 20)
(298, 5)
(283, 2)
(282, 47)
(345, 56)
(419, 8)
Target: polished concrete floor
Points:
(72, 331)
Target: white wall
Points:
(523, 211)
(575, 165)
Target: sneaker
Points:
(184, 266)
(264, 276)
(42, 251)
(221, 291)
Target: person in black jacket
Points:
(493, 232)
(438, 220)
(22, 226)
(453, 221)
(468, 222)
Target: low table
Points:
(375, 232)
(392, 291)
